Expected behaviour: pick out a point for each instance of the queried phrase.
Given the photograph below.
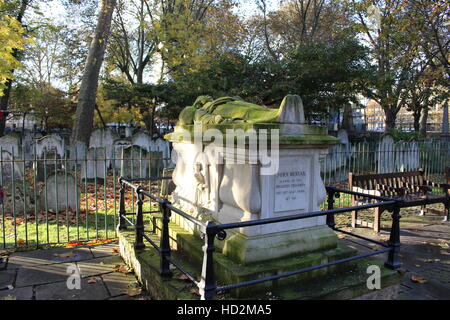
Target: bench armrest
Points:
(444, 186)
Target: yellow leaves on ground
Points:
(417, 279)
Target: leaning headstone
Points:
(27, 145)
(50, 143)
(142, 140)
(414, 155)
(18, 197)
(49, 152)
(128, 132)
(94, 166)
(118, 145)
(163, 146)
(77, 153)
(134, 162)
(103, 138)
(385, 155)
(61, 191)
(10, 169)
(11, 143)
(342, 135)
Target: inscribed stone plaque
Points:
(291, 185)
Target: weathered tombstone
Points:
(77, 153)
(142, 140)
(11, 169)
(118, 145)
(128, 132)
(134, 163)
(162, 146)
(18, 197)
(49, 152)
(11, 143)
(27, 145)
(414, 155)
(94, 166)
(60, 191)
(103, 138)
(385, 155)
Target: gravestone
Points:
(49, 152)
(11, 169)
(162, 146)
(142, 140)
(11, 143)
(62, 192)
(128, 132)
(18, 197)
(95, 165)
(77, 153)
(134, 163)
(27, 145)
(386, 155)
(118, 145)
(103, 138)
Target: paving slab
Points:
(99, 265)
(105, 250)
(7, 278)
(119, 283)
(60, 291)
(48, 256)
(17, 294)
(39, 274)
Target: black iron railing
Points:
(207, 285)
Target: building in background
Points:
(375, 118)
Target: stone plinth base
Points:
(343, 281)
(249, 250)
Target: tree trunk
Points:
(347, 118)
(391, 116)
(445, 124)
(84, 117)
(7, 91)
(416, 116)
(423, 122)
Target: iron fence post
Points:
(165, 240)
(393, 261)
(122, 224)
(139, 242)
(330, 217)
(207, 286)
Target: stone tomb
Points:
(62, 192)
(232, 184)
(238, 192)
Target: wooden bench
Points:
(410, 186)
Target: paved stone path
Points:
(44, 274)
(425, 258)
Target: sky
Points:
(55, 11)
